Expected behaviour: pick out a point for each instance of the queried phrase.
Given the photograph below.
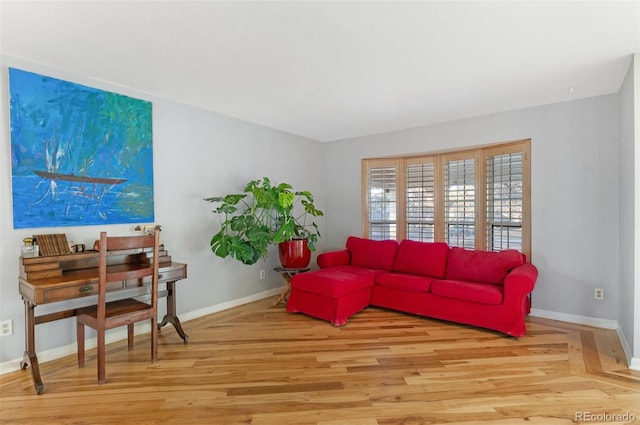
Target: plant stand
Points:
(287, 274)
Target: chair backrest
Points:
(126, 258)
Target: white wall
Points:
(574, 194)
(196, 154)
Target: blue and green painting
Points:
(79, 155)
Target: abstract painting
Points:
(79, 155)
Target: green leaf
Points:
(285, 232)
(226, 209)
(220, 244)
(234, 198)
(242, 250)
(306, 194)
(215, 199)
(312, 242)
(309, 208)
(286, 199)
(241, 223)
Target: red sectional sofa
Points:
(481, 288)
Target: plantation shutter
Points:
(472, 198)
(420, 201)
(460, 202)
(382, 203)
(505, 201)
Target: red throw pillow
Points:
(372, 254)
(423, 258)
(481, 266)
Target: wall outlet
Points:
(6, 328)
(598, 294)
(262, 274)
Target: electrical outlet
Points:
(6, 328)
(262, 274)
(598, 294)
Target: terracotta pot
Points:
(294, 254)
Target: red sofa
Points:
(481, 288)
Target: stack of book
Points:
(53, 244)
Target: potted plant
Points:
(265, 214)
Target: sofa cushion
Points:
(481, 266)
(404, 282)
(423, 258)
(372, 254)
(468, 291)
(334, 282)
(333, 258)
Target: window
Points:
(504, 200)
(421, 201)
(382, 199)
(476, 199)
(460, 202)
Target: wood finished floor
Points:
(257, 364)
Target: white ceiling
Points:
(334, 70)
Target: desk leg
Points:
(30, 359)
(171, 316)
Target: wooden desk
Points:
(45, 280)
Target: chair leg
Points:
(130, 330)
(80, 342)
(101, 356)
(154, 339)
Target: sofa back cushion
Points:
(423, 258)
(372, 254)
(481, 266)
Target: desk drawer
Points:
(52, 295)
(166, 275)
(171, 274)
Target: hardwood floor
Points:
(257, 364)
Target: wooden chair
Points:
(141, 254)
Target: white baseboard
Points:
(229, 304)
(574, 318)
(625, 347)
(634, 362)
(142, 328)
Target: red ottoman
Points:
(333, 294)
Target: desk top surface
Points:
(61, 277)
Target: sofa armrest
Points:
(520, 281)
(334, 258)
